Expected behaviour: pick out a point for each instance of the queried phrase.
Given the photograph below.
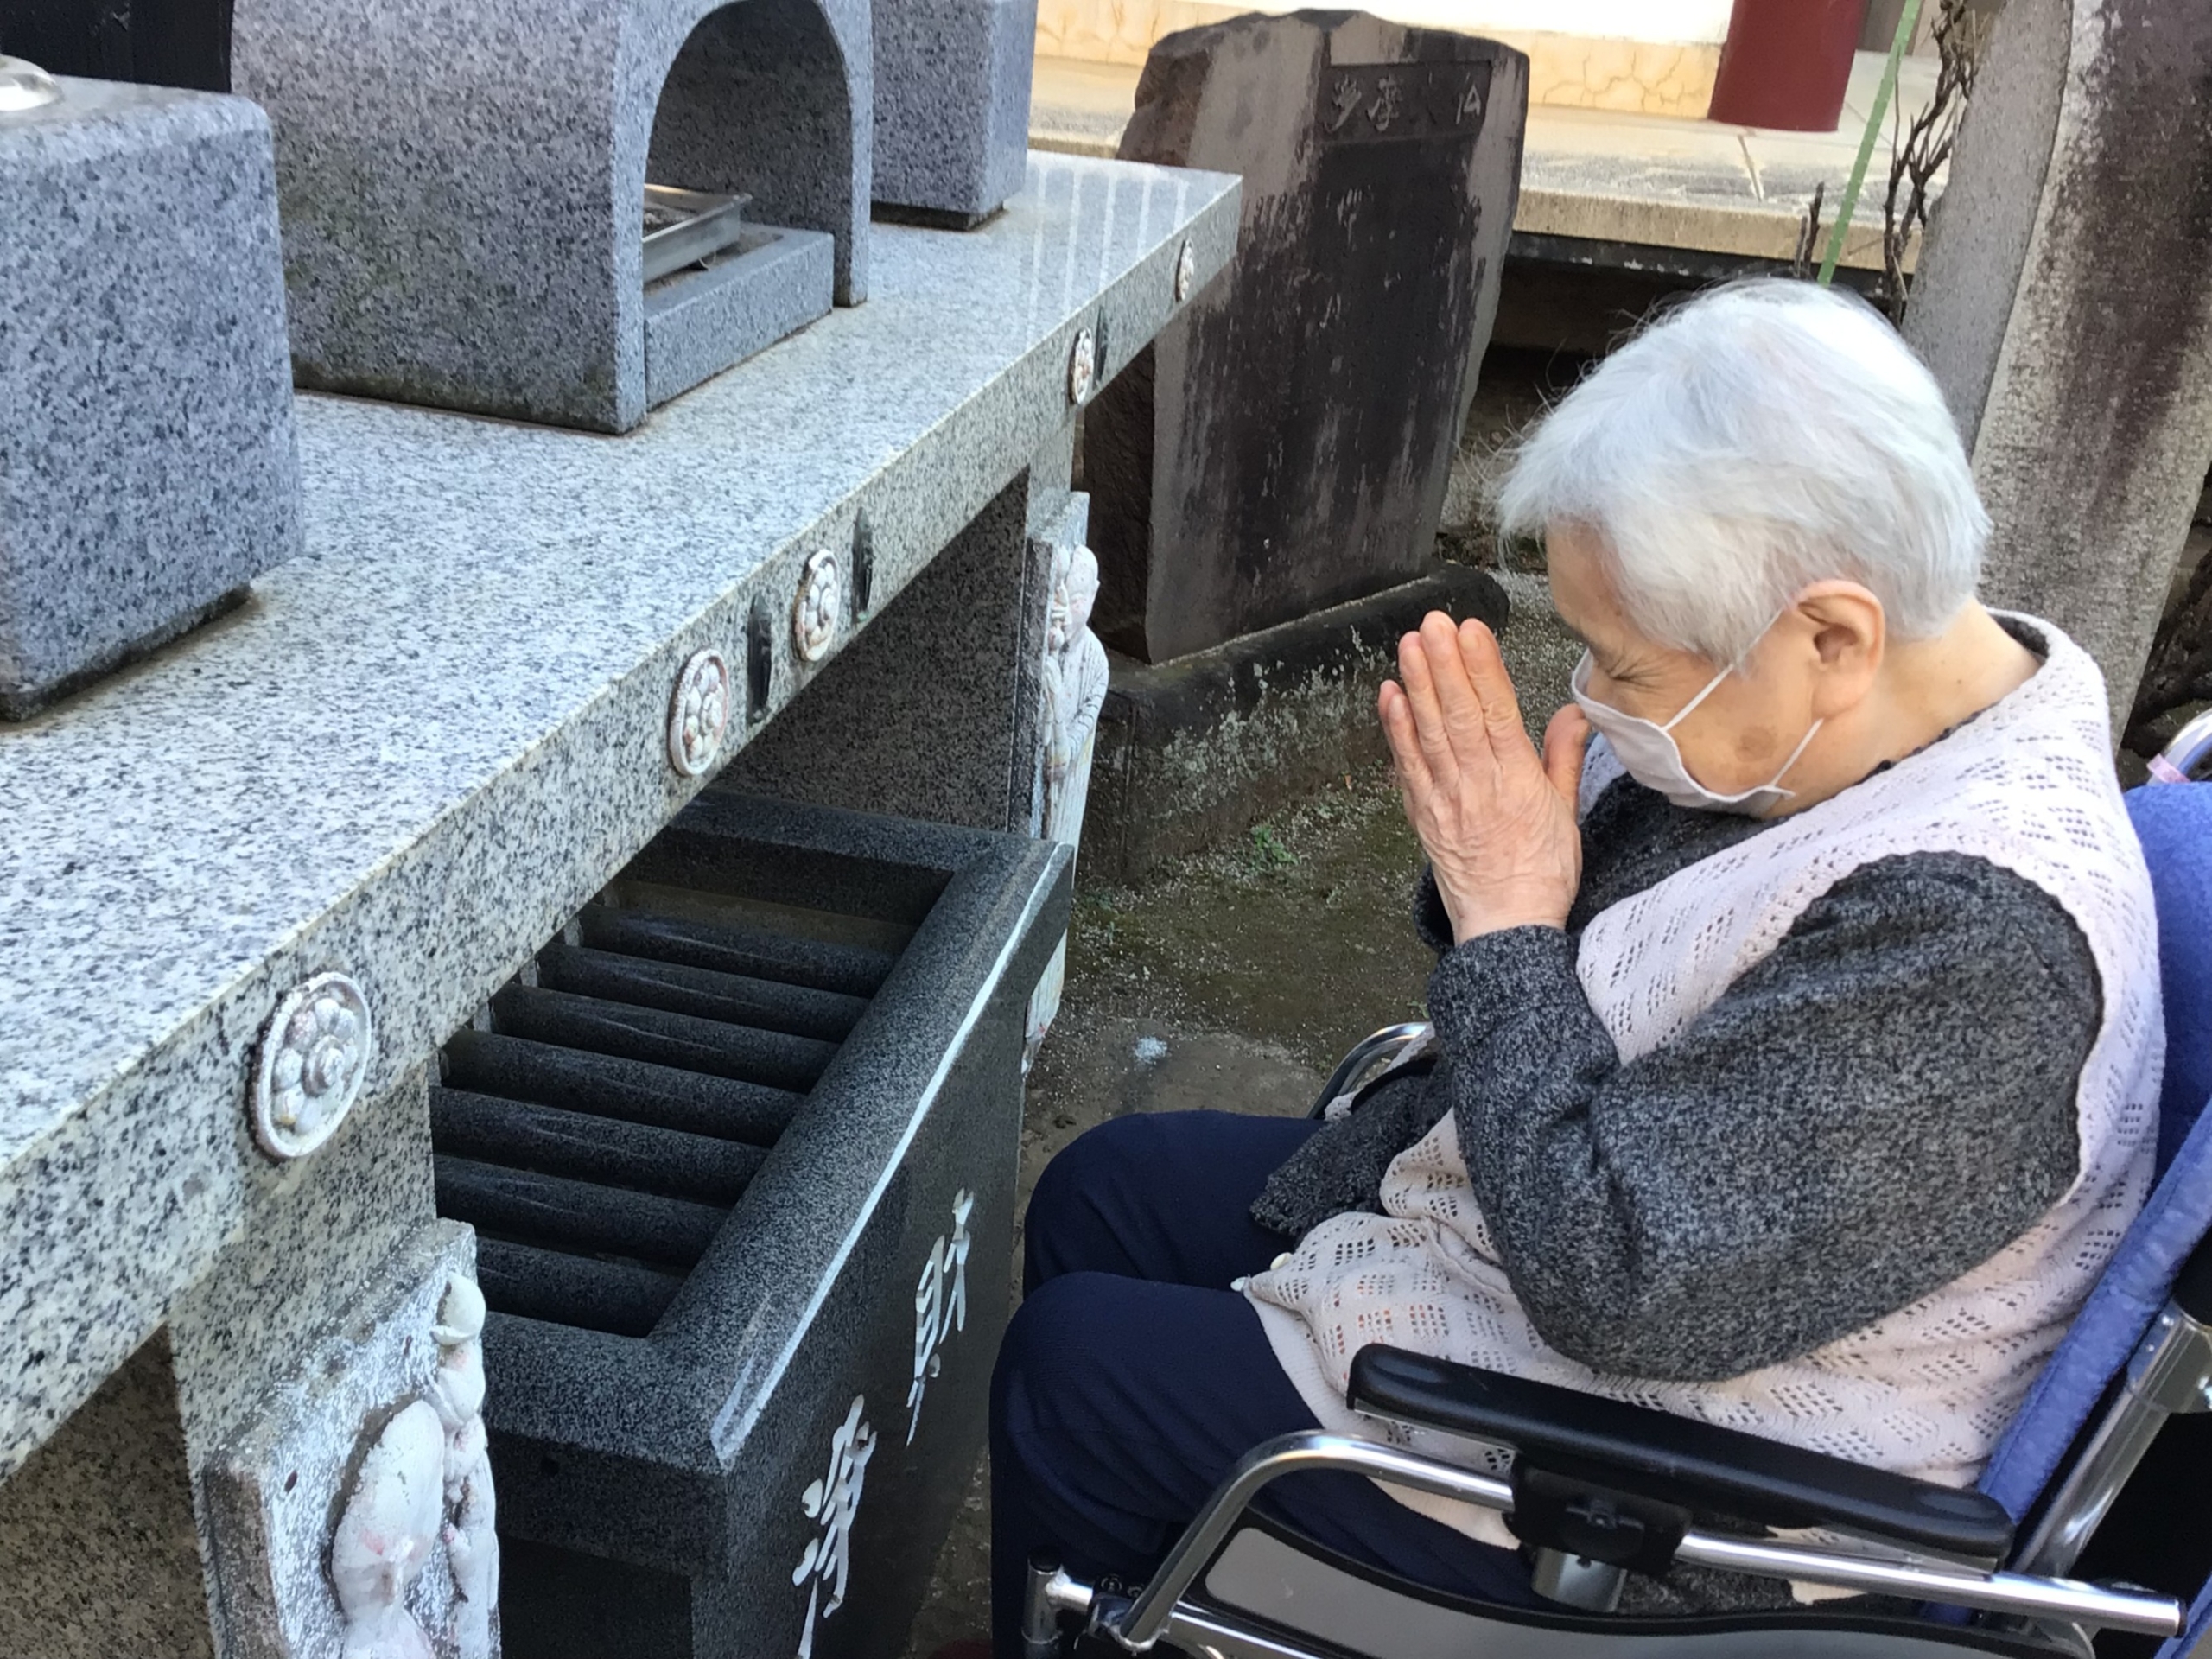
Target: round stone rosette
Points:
(819, 606)
(314, 1058)
(1083, 367)
(698, 713)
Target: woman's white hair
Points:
(1759, 438)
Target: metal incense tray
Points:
(687, 227)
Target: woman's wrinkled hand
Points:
(1496, 818)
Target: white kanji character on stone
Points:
(831, 1504)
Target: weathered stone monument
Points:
(1268, 477)
(471, 1179)
(2064, 301)
(148, 471)
(1285, 447)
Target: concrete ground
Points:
(1233, 981)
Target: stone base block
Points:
(952, 103)
(699, 323)
(1193, 753)
(147, 469)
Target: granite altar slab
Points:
(419, 748)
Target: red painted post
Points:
(1787, 62)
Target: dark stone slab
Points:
(1192, 753)
(682, 1040)
(679, 1385)
(609, 1085)
(159, 43)
(559, 1212)
(1284, 445)
(949, 654)
(625, 1298)
(2064, 300)
(560, 1142)
(737, 998)
(844, 971)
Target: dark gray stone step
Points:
(611, 1085)
(737, 999)
(743, 1052)
(621, 1298)
(553, 1140)
(854, 970)
(552, 1209)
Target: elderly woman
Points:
(1796, 1018)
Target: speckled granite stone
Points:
(97, 1555)
(147, 463)
(961, 628)
(424, 746)
(698, 323)
(687, 1454)
(274, 1485)
(318, 1232)
(952, 102)
(1051, 478)
(463, 185)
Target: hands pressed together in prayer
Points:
(1496, 818)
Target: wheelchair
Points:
(1600, 1488)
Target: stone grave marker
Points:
(1285, 446)
(569, 224)
(952, 104)
(148, 466)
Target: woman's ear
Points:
(1848, 635)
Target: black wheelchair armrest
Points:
(1656, 1455)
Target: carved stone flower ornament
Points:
(314, 1057)
(698, 713)
(1083, 367)
(821, 601)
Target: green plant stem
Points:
(1907, 20)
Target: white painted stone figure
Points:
(386, 1534)
(940, 1304)
(831, 1503)
(1075, 690)
(457, 1392)
(426, 1481)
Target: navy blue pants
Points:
(1132, 1377)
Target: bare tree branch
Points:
(1920, 154)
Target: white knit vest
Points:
(2028, 785)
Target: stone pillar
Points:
(99, 1557)
(1072, 692)
(2064, 301)
(215, 1498)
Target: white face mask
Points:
(1648, 751)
